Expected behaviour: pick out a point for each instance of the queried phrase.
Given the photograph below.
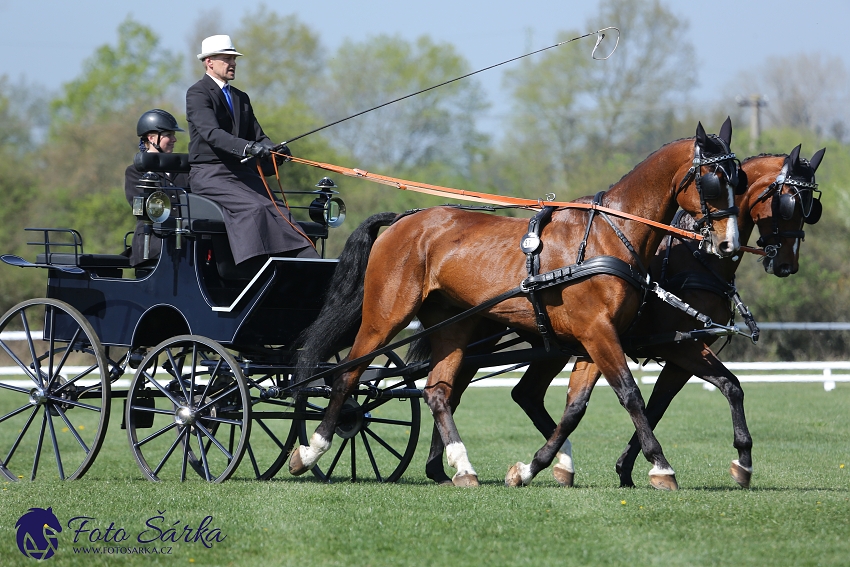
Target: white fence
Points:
(827, 373)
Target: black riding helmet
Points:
(157, 120)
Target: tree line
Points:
(576, 126)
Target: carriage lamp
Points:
(152, 206)
(327, 209)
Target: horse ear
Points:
(816, 159)
(702, 138)
(726, 131)
(794, 156)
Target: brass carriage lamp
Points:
(325, 208)
(152, 206)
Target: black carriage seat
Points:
(204, 217)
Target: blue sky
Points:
(45, 42)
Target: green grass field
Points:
(797, 513)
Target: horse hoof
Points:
(562, 475)
(663, 481)
(741, 474)
(296, 466)
(513, 478)
(465, 480)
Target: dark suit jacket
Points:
(214, 135)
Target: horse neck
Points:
(649, 191)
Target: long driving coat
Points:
(217, 143)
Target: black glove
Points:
(284, 150)
(259, 149)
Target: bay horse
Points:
(438, 262)
(779, 199)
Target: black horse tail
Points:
(338, 321)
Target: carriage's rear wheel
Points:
(54, 391)
(273, 433)
(188, 409)
(377, 433)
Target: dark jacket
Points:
(214, 135)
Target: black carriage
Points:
(200, 349)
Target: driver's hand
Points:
(282, 153)
(261, 150)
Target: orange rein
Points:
(464, 195)
(283, 194)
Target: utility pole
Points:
(756, 102)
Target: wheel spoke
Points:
(212, 438)
(187, 434)
(383, 443)
(178, 371)
(38, 445)
(20, 436)
(53, 374)
(15, 412)
(207, 475)
(152, 410)
(72, 429)
(82, 374)
(257, 473)
(35, 365)
(353, 459)
(73, 403)
(159, 387)
(213, 374)
(270, 434)
(55, 444)
(21, 364)
(153, 436)
(385, 421)
(170, 449)
(371, 456)
(336, 458)
(212, 401)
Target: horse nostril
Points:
(725, 248)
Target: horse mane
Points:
(647, 158)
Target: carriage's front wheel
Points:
(378, 428)
(54, 391)
(188, 408)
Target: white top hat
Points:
(217, 45)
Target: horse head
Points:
(791, 199)
(710, 186)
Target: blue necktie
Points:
(226, 89)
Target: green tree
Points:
(435, 127)
(135, 73)
(93, 138)
(579, 124)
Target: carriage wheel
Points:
(54, 391)
(273, 432)
(188, 409)
(375, 439)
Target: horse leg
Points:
(305, 457)
(609, 357)
(439, 393)
(434, 465)
(529, 394)
(578, 395)
(712, 370)
(670, 381)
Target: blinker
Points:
(787, 204)
(710, 187)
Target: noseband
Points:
(709, 187)
(783, 205)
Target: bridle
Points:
(784, 204)
(709, 187)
